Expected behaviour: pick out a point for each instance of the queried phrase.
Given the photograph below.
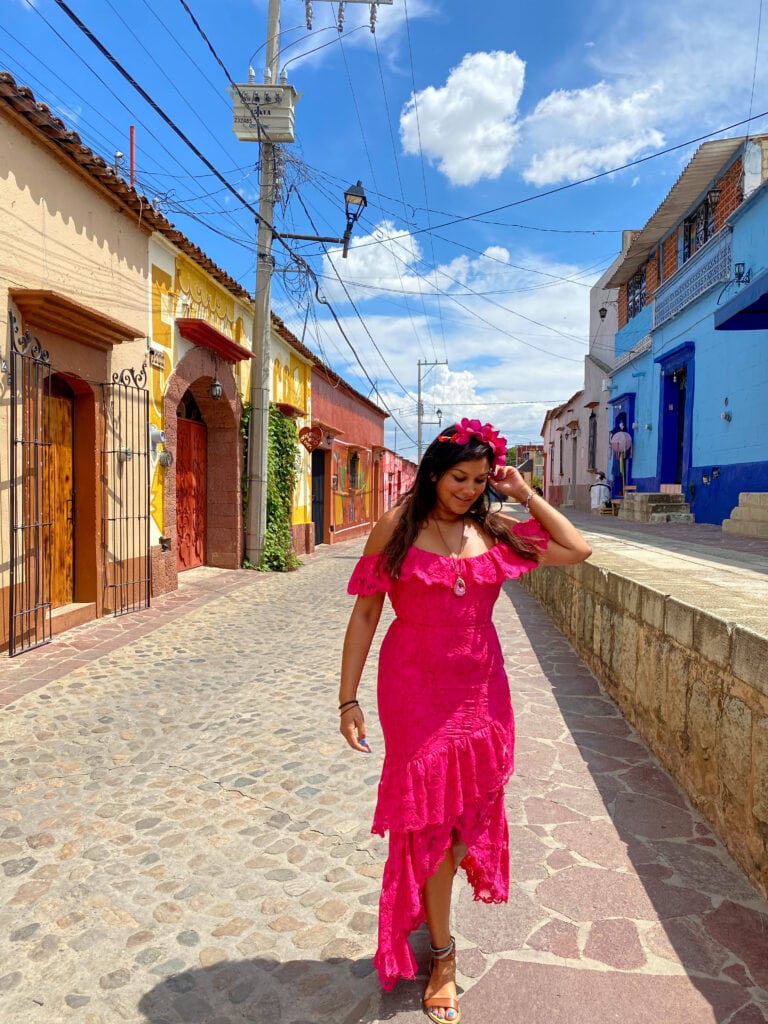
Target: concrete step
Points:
(743, 528)
(750, 513)
(654, 498)
(753, 499)
(672, 517)
(658, 512)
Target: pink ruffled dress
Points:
(446, 714)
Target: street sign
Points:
(264, 113)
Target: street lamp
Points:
(356, 202)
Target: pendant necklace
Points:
(459, 587)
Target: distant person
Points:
(538, 490)
(443, 696)
(599, 493)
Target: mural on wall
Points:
(351, 485)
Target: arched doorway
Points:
(191, 484)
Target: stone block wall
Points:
(694, 685)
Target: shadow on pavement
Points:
(265, 991)
(642, 876)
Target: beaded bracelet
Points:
(527, 501)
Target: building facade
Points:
(74, 269)
(199, 357)
(688, 393)
(347, 464)
(125, 380)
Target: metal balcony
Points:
(710, 266)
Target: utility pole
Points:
(258, 427)
(420, 406)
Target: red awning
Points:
(294, 411)
(199, 332)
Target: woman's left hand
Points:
(508, 482)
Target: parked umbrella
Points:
(621, 444)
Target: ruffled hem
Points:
(443, 784)
(495, 565)
(415, 856)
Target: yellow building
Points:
(291, 392)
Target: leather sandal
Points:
(445, 955)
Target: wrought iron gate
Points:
(125, 456)
(30, 500)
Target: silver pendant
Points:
(459, 587)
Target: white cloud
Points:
(650, 83)
(510, 335)
(581, 132)
(468, 124)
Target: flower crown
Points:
(484, 432)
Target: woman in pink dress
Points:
(444, 704)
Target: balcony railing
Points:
(710, 266)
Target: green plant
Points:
(282, 446)
(245, 422)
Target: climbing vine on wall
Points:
(281, 480)
(245, 426)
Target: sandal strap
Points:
(442, 1002)
(443, 952)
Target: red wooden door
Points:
(191, 451)
(59, 485)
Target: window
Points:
(551, 462)
(636, 293)
(592, 442)
(698, 229)
(354, 471)
(560, 449)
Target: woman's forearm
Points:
(561, 530)
(357, 643)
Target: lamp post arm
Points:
(311, 238)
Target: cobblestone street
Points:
(184, 836)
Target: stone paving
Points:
(184, 837)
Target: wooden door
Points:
(59, 486)
(191, 493)
(318, 494)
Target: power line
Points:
(352, 303)
(174, 127)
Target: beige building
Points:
(126, 360)
(73, 307)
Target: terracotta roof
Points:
(700, 173)
(18, 103)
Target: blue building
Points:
(689, 381)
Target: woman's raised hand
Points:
(508, 481)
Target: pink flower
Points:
(485, 433)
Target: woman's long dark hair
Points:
(419, 501)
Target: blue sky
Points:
(451, 110)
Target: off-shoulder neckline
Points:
(464, 558)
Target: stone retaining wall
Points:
(694, 686)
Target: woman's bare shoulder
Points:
(383, 530)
